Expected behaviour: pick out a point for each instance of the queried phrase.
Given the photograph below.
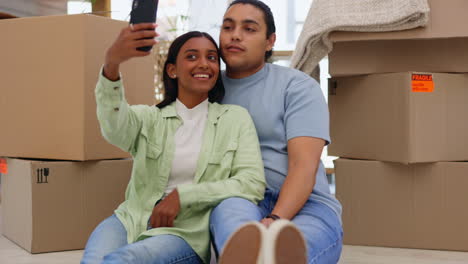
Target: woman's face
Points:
(196, 68)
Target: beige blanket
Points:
(351, 15)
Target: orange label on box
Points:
(422, 83)
(3, 166)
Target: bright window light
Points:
(78, 7)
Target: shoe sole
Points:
(286, 244)
(244, 246)
(290, 247)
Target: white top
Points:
(188, 140)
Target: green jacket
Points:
(229, 164)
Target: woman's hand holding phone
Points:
(125, 47)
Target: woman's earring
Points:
(174, 76)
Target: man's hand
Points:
(267, 222)
(166, 211)
(124, 47)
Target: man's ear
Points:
(171, 71)
(270, 42)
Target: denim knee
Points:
(329, 255)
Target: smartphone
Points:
(144, 11)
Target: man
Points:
(291, 118)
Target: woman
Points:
(189, 152)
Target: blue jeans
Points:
(319, 224)
(108, 244)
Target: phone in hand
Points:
(144, 11)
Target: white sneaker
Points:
(284, 244)
(245, 246)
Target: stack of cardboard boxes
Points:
(398, 104)
(60, 177)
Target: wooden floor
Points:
(10, 253)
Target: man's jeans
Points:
(108, 244)
(319, 224)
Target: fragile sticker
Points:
(3, 166)
(422, 83)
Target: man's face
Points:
(243, 40)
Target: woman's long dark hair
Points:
(170, 85)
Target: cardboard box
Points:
(50, 66)
(55, 205)
(438, 47)
(408, 206)
(391, 117)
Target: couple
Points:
(199, 171)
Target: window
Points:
(78, 7)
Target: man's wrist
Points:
(273, 216)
